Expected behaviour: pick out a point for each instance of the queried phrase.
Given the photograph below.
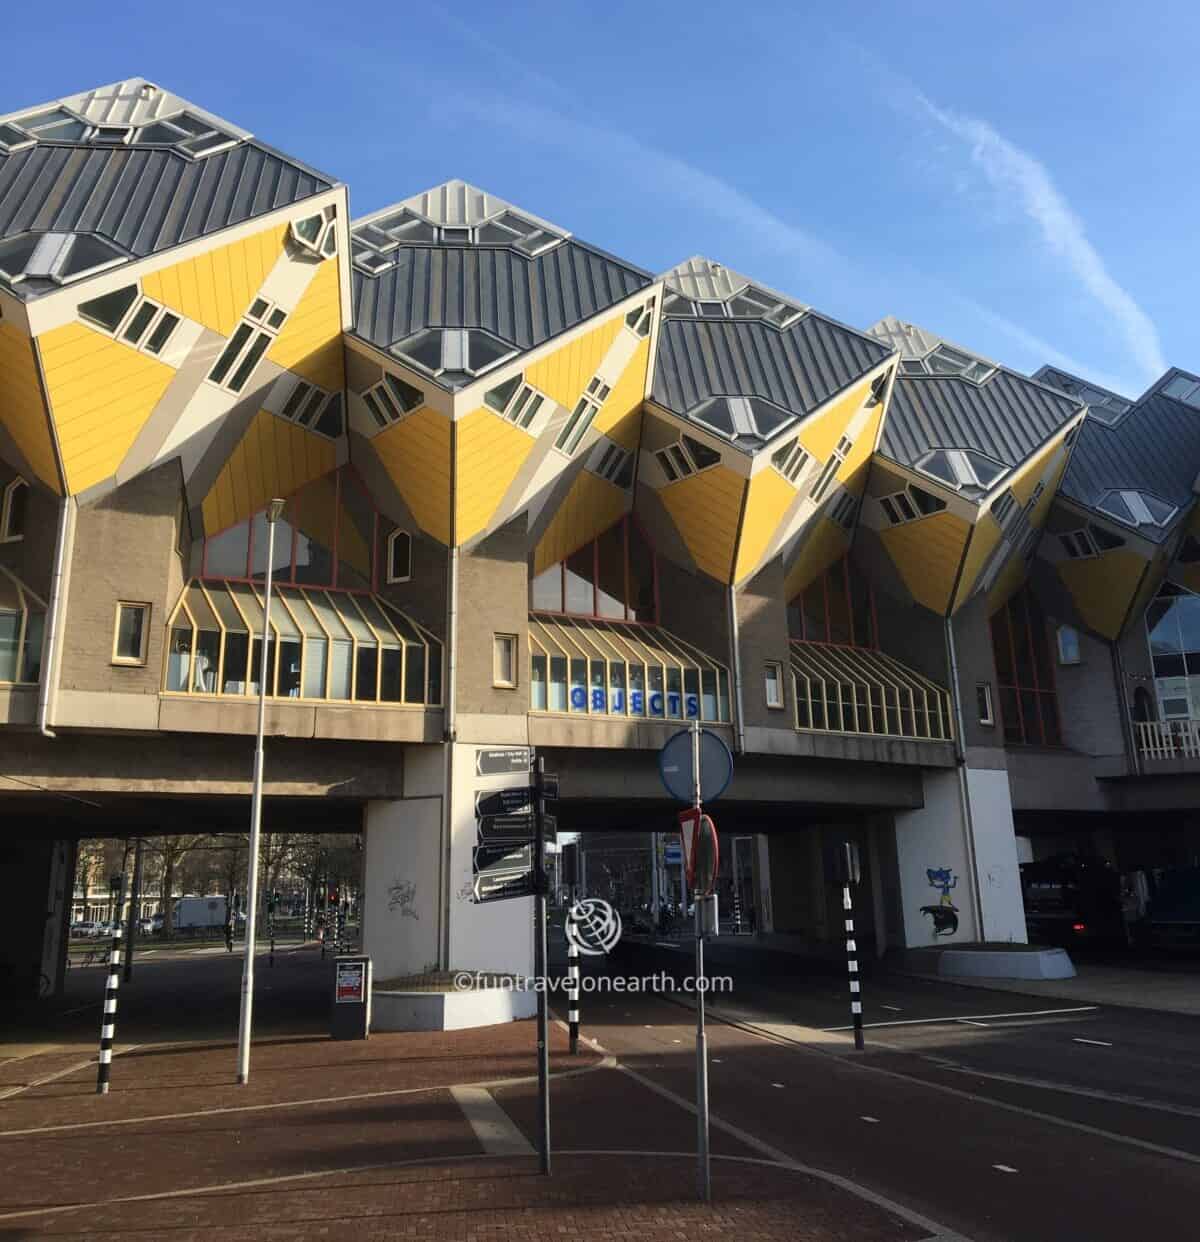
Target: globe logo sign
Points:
(592, 926)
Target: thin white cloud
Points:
(651, 169)
(1014, 172)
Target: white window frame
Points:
(392, 540)
(987, 716)
(640, 320)
(257, 324)
(1083, 539)
(382, 397)
(829, 470)
(790, 460)
(325, 244)
(775, 702)
(610, 462)
(672, 470)
(527, 409)
(140, 659)
(6, 535)
(498, 643)
(1059, 634)
(590, 403)
(310, 408)
(844, 509)
(142, 341)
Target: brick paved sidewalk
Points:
(364, 1140)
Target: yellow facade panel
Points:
(490, 452)
(705, 508)
(821, 431)
(589, 509)
(416, 454)
(821, 547)
(273, 458)
(928, 553)
(853, 472)
(22, 409)
(768, 497)
(625, 400)
(563, 374)
(216, 287)
(310, 344)
(1102, 588)
(101, 394)
(985, 539)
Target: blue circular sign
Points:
(675, 766)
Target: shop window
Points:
(613, 576)
(1025, 673)
(22, 624)
(838, 606)
(1173, 628)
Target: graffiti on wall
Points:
(945, 913)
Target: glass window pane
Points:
(637, 690)
(328, 616)
(340, 662)
(579, 695)
(598, 701)
(617, 703)
(434, 659)
(226, 554)
(31, 656)
(558, 684)
(301, 611)
(230, 353)
(130, 630)
(281, 563)
(179, 658)
(611, 584)
(315, 650)
(288, 683)
(237, 652)
(109, 309)
(140, 322)
(414, 673)
(641, 576)
(379, 622)
(204, 666)
(249, 606)
(546, 591)
(580, 571)
(249, 362)
(675, 693)
(708, 695)
(352, 619)
(365, 673)
(390, 688)
(538, 697)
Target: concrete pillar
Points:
(33, 952)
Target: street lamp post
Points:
(274, 511)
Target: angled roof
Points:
(1154, 449)
(134, 170)
(1001, 414)
(723, 335)
(1102, 403)
(456, 257)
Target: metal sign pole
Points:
(704, 1184)
(539, 965)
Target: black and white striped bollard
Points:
(573, 993)
(852, 874)
(108, 1020)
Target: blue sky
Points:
(1014, 176)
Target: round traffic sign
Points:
(675, 766)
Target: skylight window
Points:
(187, 134)
(55, 125)
(1136, 508)
(945, 360)
(1183, 388)
(56, 257)
(750, 302)
(966, 470)
(1106, 406)
(742, 418)
(453, 355)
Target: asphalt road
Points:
(1007, 1116)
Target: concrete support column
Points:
(33, 952)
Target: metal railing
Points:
(841, 689)
(1168, 739)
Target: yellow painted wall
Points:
(564, 374)
(22, 410)
(1102, 588)
(822, 429)
(768, 498)
(853, 471)
(216, 288)
(985, 539)
(589, 509)
(490, 452)
(273, 458)
(705, 508)
(310, 344)
(416, 454)
(101, 394)
(820, 548)
(617, 415)
(928, 553)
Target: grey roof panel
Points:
(798, 369)
(146, 200)
(524, 300)
(1154, 448)
(1007, 417)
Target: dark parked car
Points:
(1072, 900)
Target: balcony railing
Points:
(1168, 739)
(843, 689)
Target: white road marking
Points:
(9, 1092)
(777, 1084)
(492, 1125)
(873, 1120)
(893, 1008)
(716, 1060)
(677, 1041)
(971, 1022)
(973, 1017)
(1005, 1168)
(1099, 1043)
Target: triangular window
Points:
(613, 577)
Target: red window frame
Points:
(595, 615)
(1020, 624)
(841, 574)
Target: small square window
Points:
(773, 680)
(1068, 645)
(504, 660)
(983, 698)
(130, 634)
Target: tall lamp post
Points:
(274, 512)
